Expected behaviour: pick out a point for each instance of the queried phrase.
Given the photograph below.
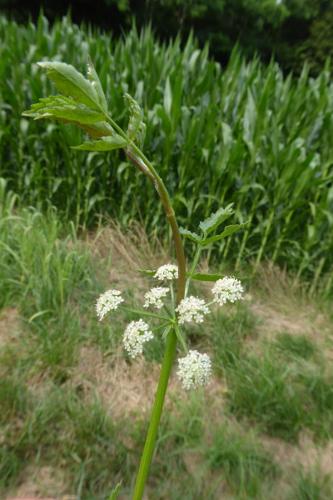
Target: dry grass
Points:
(126, 389)
(9, 327)
(40, 482)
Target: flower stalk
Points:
(83, 102)
(171, 341)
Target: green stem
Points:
(139, 159)
(169, 354)
(193, 267)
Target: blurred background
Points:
(293, 31)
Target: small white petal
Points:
(192, 309)
(135, 335)
(228, 289)
(194, 370)
(108, 301)
(167, 272)
(154, 297)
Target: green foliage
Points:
(245, 465)
(296, 345)
(230, 331)
(283, 398)
(51, 417)
(216, 137)
(318, 47)
(210, 225)
(103, 144)
(312, 485)
(13, 399)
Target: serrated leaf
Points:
(93, 77)
(97, 130)
(214, 220)
(188, 234)
(64, 109)
(72, 83)
(104, 144)
(136, 127)
(206, 277)
(227, 232)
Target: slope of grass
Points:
(74, 408)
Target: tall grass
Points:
(243, 134)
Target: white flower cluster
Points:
(154, 297)
(194, 370)
(228, 289)
(108, 301)
(167, 272)
(135, 335)
(191, 309)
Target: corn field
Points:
(245, 134)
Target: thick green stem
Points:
(147, 454)
(138, 158)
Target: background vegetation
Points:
(291, 30)
(74, 408)
(244, 134)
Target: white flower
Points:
(135, 335)
(167, 272)
(154, 296)
(108, 301)
(194, 370)
(192, 309)
(227, 289)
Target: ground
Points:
(75, 408)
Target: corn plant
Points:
(244, 134)
(81, 101)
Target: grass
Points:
(282, 398)
(215, 135)
(244, 464)
(313, 486)
(74, 409)
(296, 345)
(229, 332)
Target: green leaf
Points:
(227, 232)
(214, 220)
(188, 234)
(206, 277)
(72, 83)
(64, 109)
(104, 144)
(93, 77)
(97, 130)
(136, 127)
(167, 97)
(147, 272)
(115, 492)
